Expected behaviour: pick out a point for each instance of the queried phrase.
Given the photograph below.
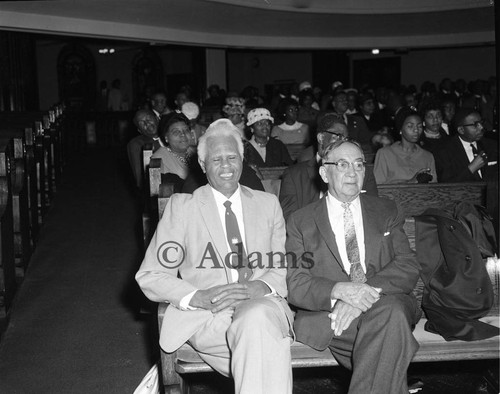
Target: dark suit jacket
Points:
(301, 185)
(452, 162)
(134, 151)
(317, 266)
(276, 154)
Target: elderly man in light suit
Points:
(351, 273)
(237, 320)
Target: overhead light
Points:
(112, 50)
(375, 51)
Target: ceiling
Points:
(263, 24)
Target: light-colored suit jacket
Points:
(390, 263)
(188, 250)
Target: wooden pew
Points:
(20, 199)
(8, 283)
(271, 178)
(295, 150)
(414, 199)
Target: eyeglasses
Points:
(475, 124)
(343, 165)
(339, 136)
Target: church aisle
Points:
(74, 326)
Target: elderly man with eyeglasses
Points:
(301, 183)
(350, 275)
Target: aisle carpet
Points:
(74, 326)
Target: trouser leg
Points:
(252, 344)
(378, 346)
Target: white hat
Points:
(190, 109)
(305, 85)
(336, 84)
(258, 114)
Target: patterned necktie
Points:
(474, 150)
(351, 244)
(238, 258)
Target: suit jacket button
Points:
(479, 290)
(467, 258)
(451, 228)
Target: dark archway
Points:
(147, 75)
(76, 75)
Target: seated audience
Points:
(301, 184)
(405, 161)
(466, 157)
(351, 273)
(307, 113)
(290, 131)
(262, 150)
(373, 119)
(159, 104)
(434, 135)
(234, 110)
(147, 125)
(352, 101)
(357, 127)
(176, 155)
(470, 157)
(448, 110)
(192, 112)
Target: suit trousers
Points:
(251, 344)
(378, 346)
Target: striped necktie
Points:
(238, 257)
(351, 244)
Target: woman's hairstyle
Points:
(402, 115)
(168, 120)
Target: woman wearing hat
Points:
(405, 161)
(261, 150)
(176, 154)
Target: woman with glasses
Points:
(405, 161)
(290, 131)
(176, 155)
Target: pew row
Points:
(413, 199)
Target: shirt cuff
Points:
(184, 304)
(273, 291)
(333, 302)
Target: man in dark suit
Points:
(469, 157)
(351, 273)
(228, 306)
(301, 183)
(147, 125)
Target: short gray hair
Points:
(337, 144)
(219, 128)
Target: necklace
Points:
(262, 144)
(184, 159)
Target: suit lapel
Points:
(210, 216)
(462, 157)
(312, 172)
(370, 228)
(325, 229)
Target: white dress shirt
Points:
(336, 218)
(468, 151)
